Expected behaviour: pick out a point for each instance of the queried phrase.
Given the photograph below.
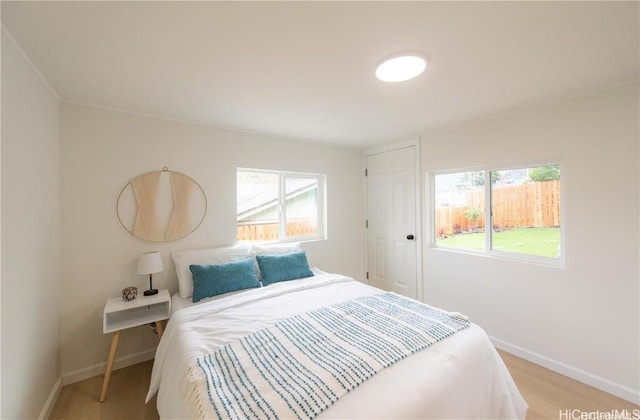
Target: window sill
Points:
(558, 263)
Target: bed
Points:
(460, 375)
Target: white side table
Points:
(119, 315)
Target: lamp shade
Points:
(150, 262)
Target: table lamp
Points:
(149, 263)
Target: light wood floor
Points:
(125, 397)
(548, 392)
(545, 391)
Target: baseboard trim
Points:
(51, 400)
(95, 370)
(580, 375)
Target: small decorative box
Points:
(129, 293)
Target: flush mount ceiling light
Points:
(401, 66)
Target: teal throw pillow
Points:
(217, 279)
(275, 268)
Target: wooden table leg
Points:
(112, 356)
(159, 328)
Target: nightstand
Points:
(119, 315)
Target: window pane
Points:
(459, 210)
(257, 206)
(279, 206)
(526, 211)
(301, 206)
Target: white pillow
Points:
(273, 249)
(183, 259)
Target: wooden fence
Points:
(536, 204)
(269, 231)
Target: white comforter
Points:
(460, 377)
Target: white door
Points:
(391, 221)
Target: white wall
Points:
(101, 151)
(582, 319)
(31, 272)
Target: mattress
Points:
(461, 376)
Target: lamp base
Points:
(151, 292)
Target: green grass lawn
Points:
(533, 241)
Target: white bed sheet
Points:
(459, 377)
(178, 303)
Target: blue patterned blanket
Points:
(301, 366)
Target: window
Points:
(523, 212)
(280, 206)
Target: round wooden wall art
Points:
(161, 206)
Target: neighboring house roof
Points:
(255, 198)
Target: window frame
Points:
(282, 207)
(488, 216)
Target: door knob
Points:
(410, 237)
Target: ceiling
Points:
(305, 70)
